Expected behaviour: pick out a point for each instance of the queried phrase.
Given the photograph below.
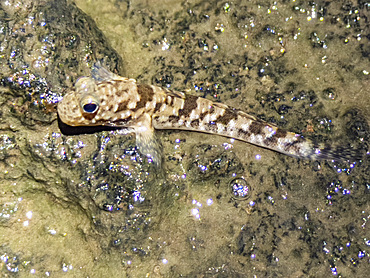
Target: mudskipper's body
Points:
(106, 99)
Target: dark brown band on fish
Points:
(146, 94)
(189, 105)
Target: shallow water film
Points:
(84, 203)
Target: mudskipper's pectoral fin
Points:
(146, 141)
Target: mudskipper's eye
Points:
(89, 105)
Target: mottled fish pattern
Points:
(106, 99)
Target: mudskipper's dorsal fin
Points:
(101, 73)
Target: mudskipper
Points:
(106, 99)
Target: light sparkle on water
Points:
(195, 213)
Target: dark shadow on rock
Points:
(77, 130)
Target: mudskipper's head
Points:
(80, 106)
(102, 99)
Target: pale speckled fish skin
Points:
(124, 103)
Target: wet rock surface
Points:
(89, 204)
